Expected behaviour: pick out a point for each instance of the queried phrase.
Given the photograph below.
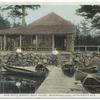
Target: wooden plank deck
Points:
(57, 82)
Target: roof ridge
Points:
(51, 17)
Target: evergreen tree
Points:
(92, 13)
(84, 28)
(4, 23)
(19, 11)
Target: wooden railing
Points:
(87, 48)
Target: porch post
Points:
(73, 37)
(36, 42)
(70, 43)
(20, 41)
(1, 42)
(85, 48)
(53, 42)
(98, 48)
(4, 42)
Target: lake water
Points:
(14, 83)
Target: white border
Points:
(51, 96)
(49, 2)
(68, 1)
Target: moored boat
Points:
(91, 70)
(15, 70)
(90, 82)
(80, 75)
(68, 69)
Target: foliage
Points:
(4, 23)
(84, 27)
(92, 13)
(86, 39)
(17, 25)
(18, 11)
(84, 36)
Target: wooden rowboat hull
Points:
(68, 70)
(79, 75)
(90, 82)
(25, 72)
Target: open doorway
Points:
(60, 42)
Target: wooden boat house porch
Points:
(44, 34)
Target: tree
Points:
(83, 31)
(19, 11)
(92, 13)
(4, 23)
(17, 24)
(84, 28)
(77, 35)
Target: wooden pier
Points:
(57, 82)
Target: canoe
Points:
(25, 72)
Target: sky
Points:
(65, 11)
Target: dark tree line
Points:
(83, 37)
(91, 13)
(87, 40)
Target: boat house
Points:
(44, 34)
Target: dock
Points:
(58, 82)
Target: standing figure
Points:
(18, 50)
(18, 53)
(54, 57)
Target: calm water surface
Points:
(14, 83)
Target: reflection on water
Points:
(12, 83)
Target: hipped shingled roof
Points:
(49, 24)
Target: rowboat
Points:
(15, 70)
(68, 69)
(80, 75)
(90, 82)
(91, 70)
